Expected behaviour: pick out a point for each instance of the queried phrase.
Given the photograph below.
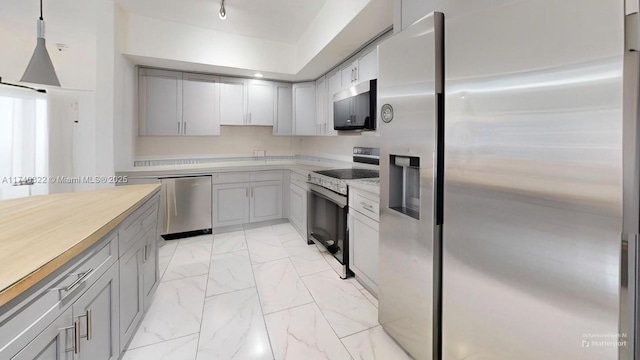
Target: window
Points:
(23, 142)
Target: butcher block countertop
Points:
(40, 234)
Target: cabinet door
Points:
(260, 103)
(363, 245)
(298, 209)
(266, 201)
(348, 76)
(200, 101)
(368, 66)
(334, 86)
(304, 108)
(233, 101)
(53, 342)
(160, 95)
(98, 316)
(231, 204)
(151, 274)
(131, 292)
(283, 110)
(321, 106)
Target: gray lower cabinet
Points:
(244, 202)
(97, 314)
(298, 209)
(131, 292)
(91, 308)
(266, 201)
(231, 204)
(56, 342)
(151, 273)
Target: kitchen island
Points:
(77, 271)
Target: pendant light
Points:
(40, 69)
(223, 11)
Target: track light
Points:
(223, 11)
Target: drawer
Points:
(231, 178)
(133, 227)
(266, 175)
(367, 205)
(48, 301)
(298, 180)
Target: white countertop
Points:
(301, 167)
(368, 185)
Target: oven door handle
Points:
(329, 195)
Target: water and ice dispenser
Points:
(404, 185)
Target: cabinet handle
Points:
(76, 338)
(144, 254)
(367, 206)
(184, 128)
(87, 314)
(179, 129)
(247, 192)
(355, 74)
(325, 128)
(80, 279)
(251, 192)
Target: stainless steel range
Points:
(328, 205)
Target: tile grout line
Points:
(204, 300)
(159, 342)
(253, 273)
(323, 315)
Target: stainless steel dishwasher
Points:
(187, 202)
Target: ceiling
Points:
(277, 20)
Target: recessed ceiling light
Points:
(258, 75)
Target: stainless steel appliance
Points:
(410, 97)
(187, 206)
(328, 205)
(355, 108)
(526, 264)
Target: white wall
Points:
(336, 147)
(233, 141)
(154, 38)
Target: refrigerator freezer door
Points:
(188, 204)
(407, 82)
(533, 193)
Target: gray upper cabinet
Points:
(98, 315)
(200, 113)
(368, 66)
(304, 108)
(364, 68)
(334, 86)
(233, 101)
(53, 342)
(160, 102)
(283, 109)
(260, 102)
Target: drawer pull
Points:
(367, 206)
(80, 279)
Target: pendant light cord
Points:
(23, 87)
(41, 18)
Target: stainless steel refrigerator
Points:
(529, 265)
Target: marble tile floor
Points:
(262, 294)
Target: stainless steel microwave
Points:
(355, 108)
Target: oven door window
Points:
(327, 225)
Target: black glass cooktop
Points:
(350, 174)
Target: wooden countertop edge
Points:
(22, 285)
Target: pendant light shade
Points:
(40, 69)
